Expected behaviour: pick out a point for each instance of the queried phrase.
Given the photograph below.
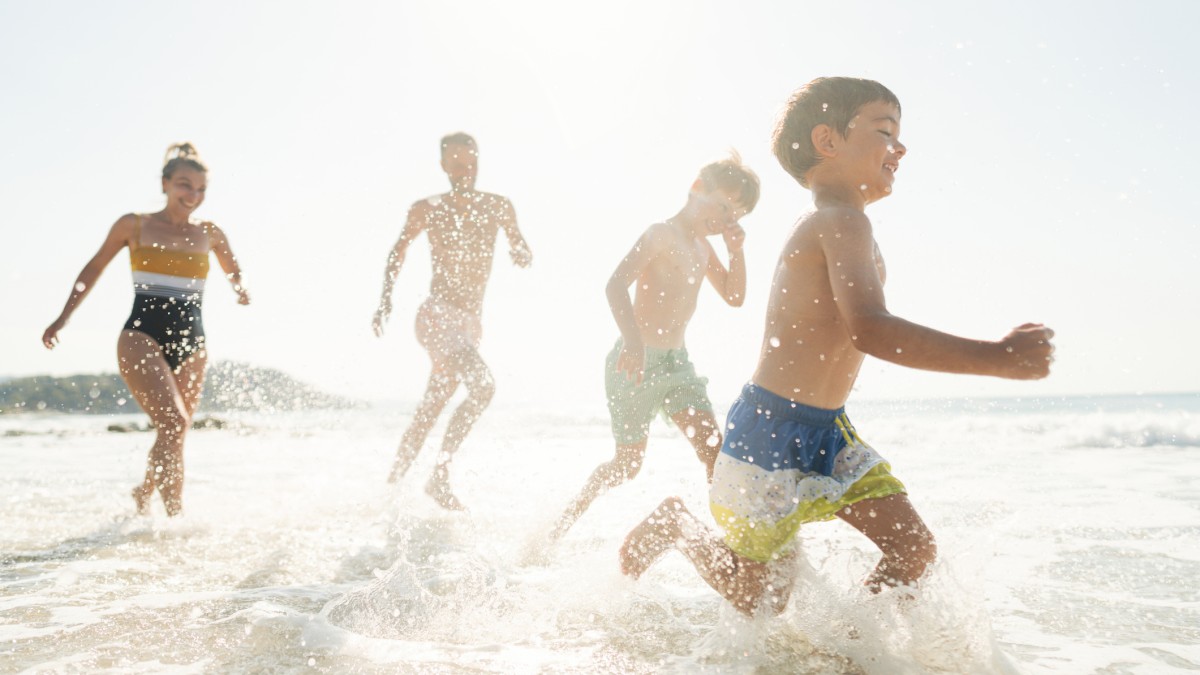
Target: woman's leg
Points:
(157, 391)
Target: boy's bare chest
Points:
(683, 264)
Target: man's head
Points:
(460, 160)
(830, 101)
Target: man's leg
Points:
(474, 374)
(441, 386)
(746, 584)
(624, 466)
(702, 432)
(895, 527)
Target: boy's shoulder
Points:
(658, 234)
(834, 221)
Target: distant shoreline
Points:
(229, 386)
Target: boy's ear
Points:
(824, 140)
(698, 187)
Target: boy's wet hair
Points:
(826, 100)
(458, 138)
(181, 154)
(732, 176)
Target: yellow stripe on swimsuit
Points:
(164, 273)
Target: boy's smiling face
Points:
(871, 151)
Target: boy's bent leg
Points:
(441, 386)
(624, 465)
(700, 427)
(895, 527)
(481, 387)
(748, 585)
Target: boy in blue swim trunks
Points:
(790, 454)
(648, 370)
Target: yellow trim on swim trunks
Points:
(848, 431)
(760, 540)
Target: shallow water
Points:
(1069, 532)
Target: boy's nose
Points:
(899, 149)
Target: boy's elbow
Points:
(736, 299)
(869, 335)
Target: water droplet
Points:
(853, 124)
(80, 286)
(899, 351)
(824, 107)
(692, 280)
(796, 145)
(862, 187)
(774, 341)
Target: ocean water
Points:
(1069, 532)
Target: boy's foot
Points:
(141, 498)
(647, 542)
(439, 490)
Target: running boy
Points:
(791, 455)
(648, 370)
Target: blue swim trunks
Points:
(784, 464)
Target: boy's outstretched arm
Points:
(518, 249)
(632, 359)
(730, 283)
(848, 245)
(413, 226)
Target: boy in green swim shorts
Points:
(648, 371)
(791, 455)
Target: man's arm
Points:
(730, 283)
(632, 359)
(413, 226)
(848, 245)
(518, 249)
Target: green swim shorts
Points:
(669, 386)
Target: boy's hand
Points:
(632, 360)
(1028, 352)
(735, 237)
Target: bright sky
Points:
(1052, 147)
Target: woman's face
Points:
(185, 189)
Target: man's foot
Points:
(141, 498)
(400, 466)
(439, 489)
(647, 542)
